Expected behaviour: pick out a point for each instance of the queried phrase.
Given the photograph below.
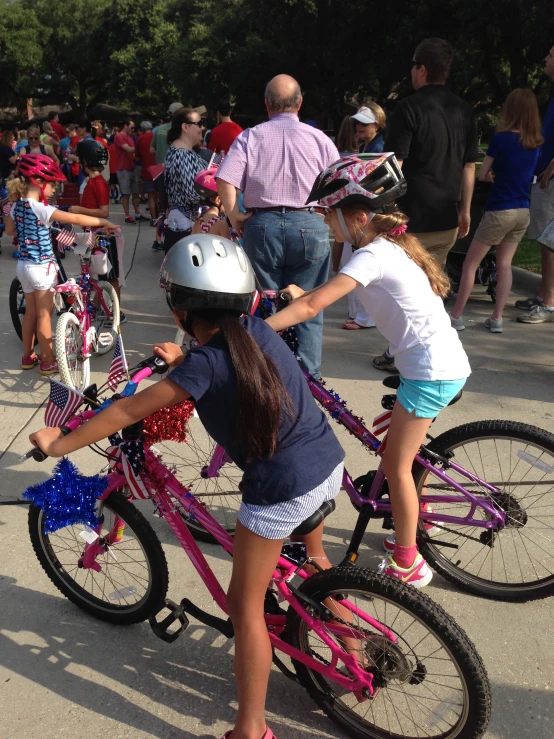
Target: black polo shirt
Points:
(435, 134)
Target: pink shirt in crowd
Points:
(276, 163)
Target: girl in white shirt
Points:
(402, 287)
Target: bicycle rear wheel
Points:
(17, 306)
(220, 495)
(74, 366)
(432, 683)
(517, 562)
(133, 579)
(106, 323)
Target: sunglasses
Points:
(33, 138)
(195, 123)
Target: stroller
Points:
(486, 274)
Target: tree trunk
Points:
(29, 113)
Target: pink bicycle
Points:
(380, 658)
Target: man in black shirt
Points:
(434, 136)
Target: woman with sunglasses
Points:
(35, 146)
(182, 164)
(370, 123)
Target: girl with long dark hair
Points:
(253, 399)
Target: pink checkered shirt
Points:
(276, 163)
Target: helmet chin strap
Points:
(346, 231)
(42, 188)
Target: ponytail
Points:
(17, 189)
(262, 397)
(384, 224)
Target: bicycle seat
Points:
(393, 382)
(311, 523)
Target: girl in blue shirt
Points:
(510, 165)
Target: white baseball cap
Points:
(173, 107)
(364, 115)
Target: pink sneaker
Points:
(268, 734)
(418, 575)
(48, 368)
(30, 362)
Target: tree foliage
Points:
(146, 54)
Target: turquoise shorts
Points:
(427, 397)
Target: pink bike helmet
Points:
(204, 183)
(39, 165)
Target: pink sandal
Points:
(352, 326)
(268, 734)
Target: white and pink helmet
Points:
(373, 180)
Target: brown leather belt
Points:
(286, 209)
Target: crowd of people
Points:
(396, 196)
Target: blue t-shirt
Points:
(64, 144)
(308, 451)
(375, 146)
(32, 224)
(513, 168)
(547, 149)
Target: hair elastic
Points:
(399, 230)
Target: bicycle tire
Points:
(17, 307)
(516, 537)
(393, 656)
(75, 369)
(114, 613)
(106, 287)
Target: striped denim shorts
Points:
(278, 521)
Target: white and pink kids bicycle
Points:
(379, 657)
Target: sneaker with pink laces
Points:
(48, 368)
(418, 575)
(390, 540)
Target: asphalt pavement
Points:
(64, 674)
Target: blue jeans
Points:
(287, 248)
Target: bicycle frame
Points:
(163, 489)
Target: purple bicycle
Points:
(380, 658)
(488, 486)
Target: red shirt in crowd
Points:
(58, 129)
(102, 141)
(96, 193)
(124, 159)
(75, 166)
(113, 159)
(142, 152)
(223, 136)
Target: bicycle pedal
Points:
(105, 338)
(161, 628)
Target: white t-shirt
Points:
(399, 298)
(42, 212)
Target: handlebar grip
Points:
(159, 366)
(65, 430)
(284, 300)
(39, 455)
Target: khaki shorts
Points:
(438, 243)
(502, 225)
(128, 183)
(541, 210)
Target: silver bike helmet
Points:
(205, 272)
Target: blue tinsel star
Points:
(68, 497)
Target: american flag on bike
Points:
(63, 401)
(66, 236)
(381, 423)
(118, 367)
(130, 455)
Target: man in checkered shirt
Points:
(275, 165)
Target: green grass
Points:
(528, 255)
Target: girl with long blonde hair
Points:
(402, 287)
(510, 165)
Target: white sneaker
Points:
(457, 323)
(494, 325)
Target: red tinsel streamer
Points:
(168, 424)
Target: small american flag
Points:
(381, 423)
(67, 235)
(63, 401)
(130, 455)
(118, 367)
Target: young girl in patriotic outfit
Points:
(401, 287)
(30, 221)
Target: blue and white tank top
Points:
(32, 223)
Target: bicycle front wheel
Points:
(515, 563)
(430, 680)
(74, 366)
(132, 579)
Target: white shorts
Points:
(278, 521)
(36, 276)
